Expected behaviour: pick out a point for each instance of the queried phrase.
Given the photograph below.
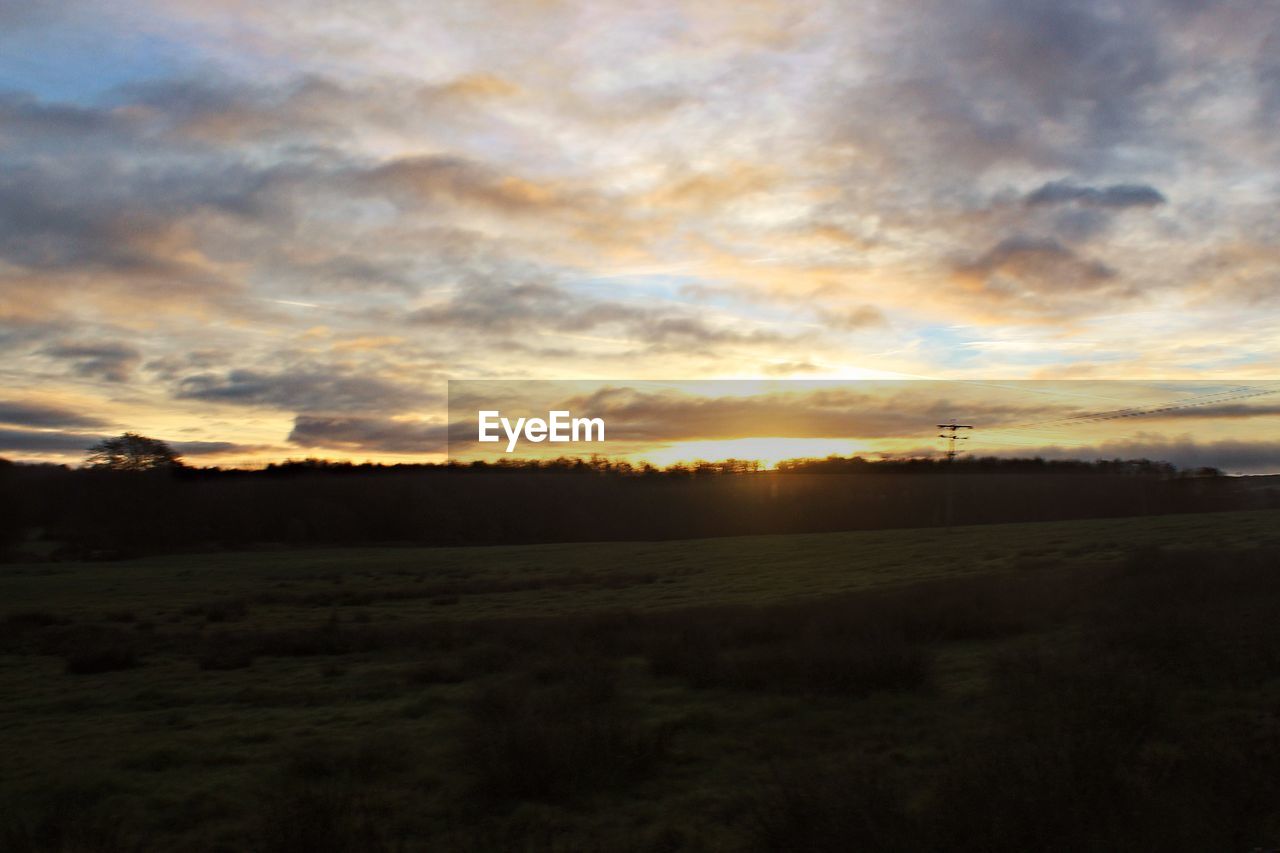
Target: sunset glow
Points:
(276, 231)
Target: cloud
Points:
(1243, 272)
(89, 216)
(1232, 411)
(786, 368)
(1018, 414)
(1021, 264)
(1114, 196)
(1083, 62)
(109, 360)
(310, 388)
(855, 319)
(42, 415)
(497, 304)
(823, 412)
(27, 119)
(1230, 455)
(64, 443)
(370, 434)
(20, 329)
(971, 87)
(289, 178)
(213, 448)
(224, 111)
(38, 441)
(431, 178)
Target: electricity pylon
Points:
(951, 437)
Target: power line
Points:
(1209, 399)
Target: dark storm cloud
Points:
(40, 415)
(109, 360)
(1114, 196)
(369, 434)
(310, 388)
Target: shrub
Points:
(28, 631)
(838, 646)
(1060, 763)
(436, 672)
(850, 806)
(322, 818)
(92, 651)
(332, 798)
(69, 817)
(36, 618)
(222, 610)
(223, 652)
(552, 741)
(848, 666)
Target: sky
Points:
(276, 230)
(1205, 423)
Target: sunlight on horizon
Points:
(768, 451)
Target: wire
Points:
(1057, 432)
(1208, 399)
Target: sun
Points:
(768, 451)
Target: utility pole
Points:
(950, 434)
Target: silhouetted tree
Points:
(119, 512)
(132, 452)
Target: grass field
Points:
(786, 692)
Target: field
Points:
(1108, 684)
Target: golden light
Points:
(765, 450)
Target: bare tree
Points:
(132, 452)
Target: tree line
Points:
(121, 505)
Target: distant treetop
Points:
(132, 452)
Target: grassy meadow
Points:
(1109, 684)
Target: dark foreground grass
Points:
(1089, 696)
